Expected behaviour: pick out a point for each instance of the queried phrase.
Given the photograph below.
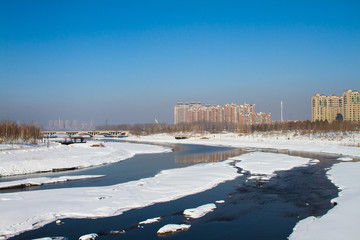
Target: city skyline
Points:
(121, 62)
(61, 124)
(231, 114)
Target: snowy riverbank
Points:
(56, 157)
(342, 221)
(331, 143)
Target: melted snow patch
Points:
(199, 211)
(171, 228)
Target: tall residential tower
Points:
(347, 107)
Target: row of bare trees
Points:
(11, 132)
(309, 127)
(301, 126)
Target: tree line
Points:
(11, 132)
(303, 127)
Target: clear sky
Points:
(132, 61)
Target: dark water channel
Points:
(252, 209)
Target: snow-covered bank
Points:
(347, 145)
(9, 146)
(43, 180)
(342, 221)
(48, 205)
(57, 156)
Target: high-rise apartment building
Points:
(231, 114)
(330, 107)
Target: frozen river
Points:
(252, 208)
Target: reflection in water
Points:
(206, 158)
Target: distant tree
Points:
(339, 117)
(11, 132)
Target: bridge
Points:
(110, 133)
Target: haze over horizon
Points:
(131, 62)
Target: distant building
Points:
(330, 108)
(231, 114)
(55, 125)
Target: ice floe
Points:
(171, 228)
(51, 238)
(151, 220)
(91, 236)
(199, 211)
(263, 163)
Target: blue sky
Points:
(132, 61)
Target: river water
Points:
(252, 209)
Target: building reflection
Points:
(206, 158)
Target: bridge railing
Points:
(112, 133)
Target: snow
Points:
(44, 180)
(45, 206)
(171, 228)
(91, 236)
(57, 156)
(264, 163)
(51, 238)
(199, 211)
(331, 143)
(342, 221)
(346, 159)
(7, 146)
(151, 220)
(59, 222)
